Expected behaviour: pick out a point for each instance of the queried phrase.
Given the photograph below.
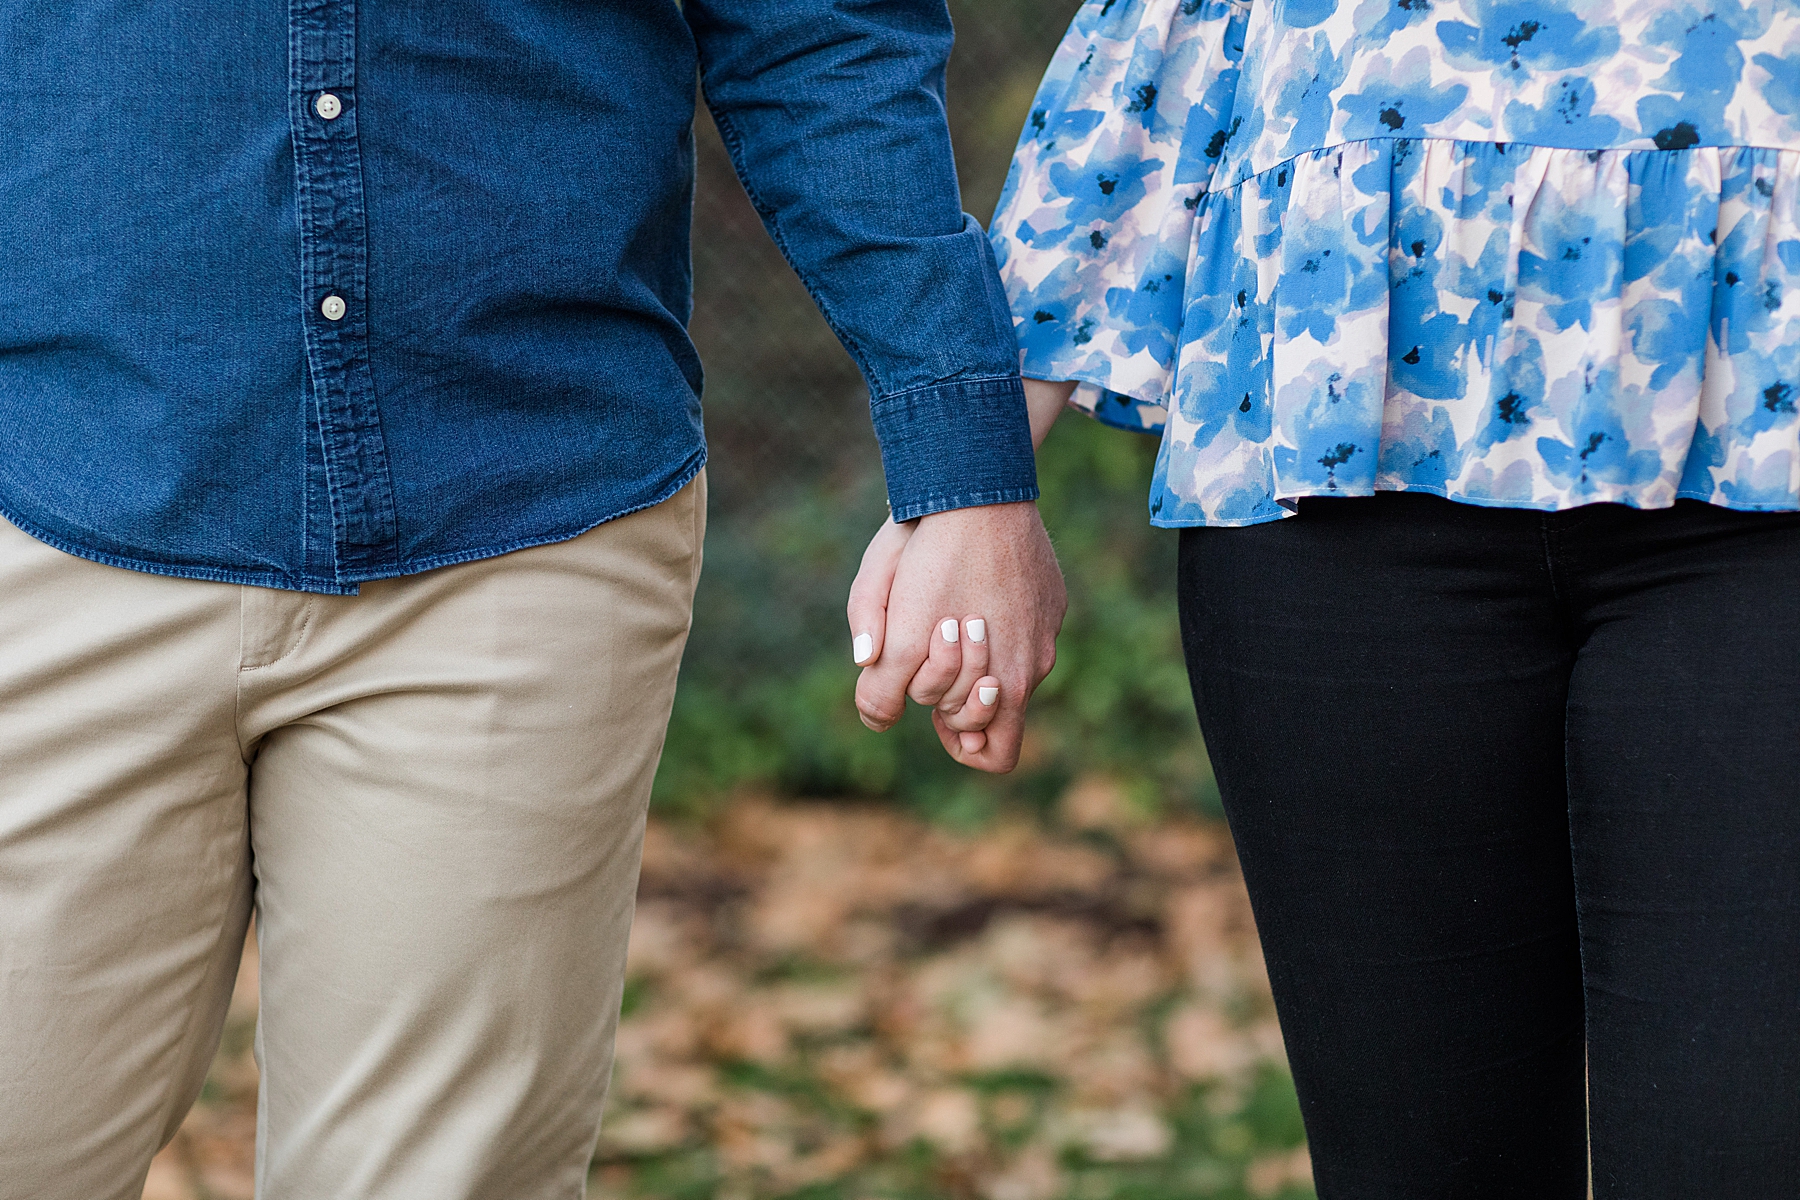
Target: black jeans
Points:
(1517, 796)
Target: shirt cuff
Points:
(956, 445)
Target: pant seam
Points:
(237, 679)
(1547, 537)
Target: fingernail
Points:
(977, 630)
(948, 629)
(863, 647)
(988, 694)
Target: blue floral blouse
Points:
(1533, 255)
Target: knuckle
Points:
(876, 709)
(877, 713)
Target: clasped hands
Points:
(960, 610)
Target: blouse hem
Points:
(1478, 501)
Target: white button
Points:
(333, 308)
(329, 106)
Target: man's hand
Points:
(992, 563)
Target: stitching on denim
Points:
(937, 504)
(322, 587)
(979, 385)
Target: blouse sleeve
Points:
(1094, 227)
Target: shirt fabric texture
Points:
(311, 294)
(1530, 255)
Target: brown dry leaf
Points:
(750, 1031)
(889, 967)
(170, 1176)
(1203, 1046)
(1183, 850)
(1033, 1175)
(950, 1119)
(1099, 802)
(1115, 1135)
(645, 1131)
(1270, 1174)
(1013, 861)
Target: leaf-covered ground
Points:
(829, 1002)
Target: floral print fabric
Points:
(1532, 255)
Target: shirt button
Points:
(329, 106)
(333, 308)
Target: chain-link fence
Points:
(796, 491)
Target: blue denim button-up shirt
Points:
(314, 293)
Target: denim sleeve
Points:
(833, 111)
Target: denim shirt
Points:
(311, 294)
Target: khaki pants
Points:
(432, 794)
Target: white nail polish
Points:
(948, 629)
(977, 630)
(988, 694)
(862, 649)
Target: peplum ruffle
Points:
(1512, 325)
(1501, 323)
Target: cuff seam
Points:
(977, 384)
(937, 504)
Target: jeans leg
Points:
(1684, 776)
(1381, 683)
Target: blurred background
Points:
(859, 970)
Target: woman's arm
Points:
(1046, 401)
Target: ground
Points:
(827, 1001)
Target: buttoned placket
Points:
(358, 495)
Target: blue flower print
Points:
(1706, 69)
(1305, 98)
(1783, 89)
(1423, 450)
(1402, 103)
(1599, 452)
(1566, 117)
(1576, 256)
(1304, 14)
(1379, 20)
(1150, 313)
(1101, 191)
(1324, 277)
(1513, 397)
(1527, 254)
(1519, 37)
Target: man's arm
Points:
(833, 112)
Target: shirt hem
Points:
(350, 584)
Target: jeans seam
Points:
(1547, 537)
(1547, 524)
